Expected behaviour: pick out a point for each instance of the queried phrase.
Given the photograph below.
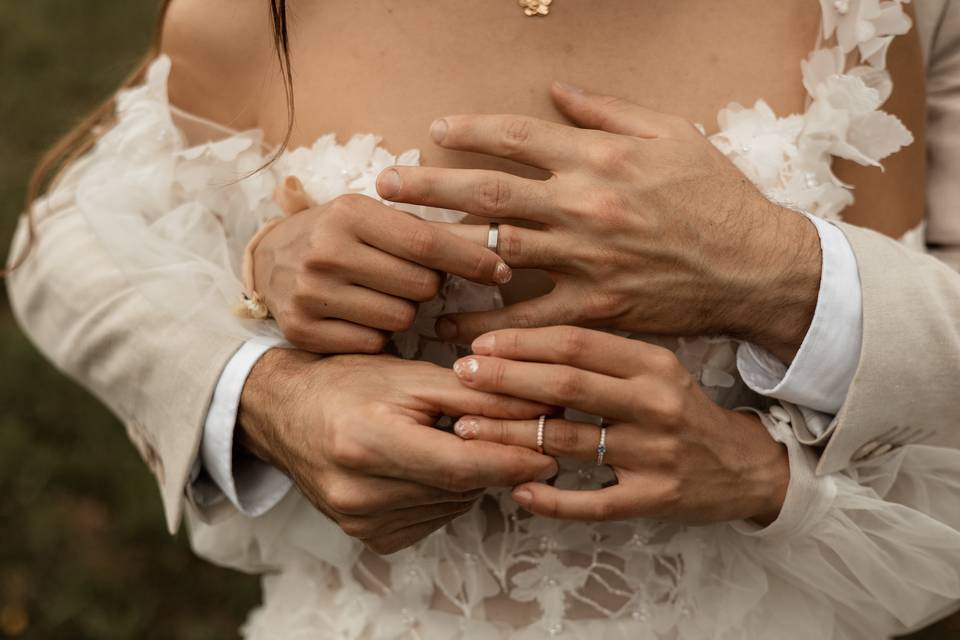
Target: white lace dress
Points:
(860, 554)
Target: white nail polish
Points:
(467, 428)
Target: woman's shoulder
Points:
(222, 56)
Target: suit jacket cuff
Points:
(251, 485)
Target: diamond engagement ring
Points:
(602, 446)
(493, 238)
(541, 425)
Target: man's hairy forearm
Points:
(266, 403)
(783, 260)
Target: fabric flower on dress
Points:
(867, 25)
(548, 583)
(844, 113)
(757, 141)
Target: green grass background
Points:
(84, 552)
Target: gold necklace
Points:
(535, 7)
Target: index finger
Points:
(439, 459)
(408, 237)
(532, 141)
(599, 505)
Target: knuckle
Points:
(303, 290)
(610, 207)
(612, 155)
(565, 436)
(571, 343)
(455, 479)
(603, 511)
(568, 386)
(497, 373)
(663, 361)
(380, 546)
(511, 244)
(516, 134)
(604, 305)
(550, 507)
(667, 408)
(482, 266)
(423, 242)
(501, 431)
(402, 317)
(492, 196)
(354, 527)
(370, 342)
(342, 499)
(426, 285)
(350, 201)
(342, 450)
(341, 210)
(670, 494)
(671, 453)
(297, 331)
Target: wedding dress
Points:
(868, 552)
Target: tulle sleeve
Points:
(878, 544)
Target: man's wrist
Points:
(265, 410)
(785, 258)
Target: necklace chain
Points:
(535, 7)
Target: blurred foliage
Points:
(84, 552)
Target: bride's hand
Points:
(643, 224)
(355, 434)
(677, 454)
(338, 276)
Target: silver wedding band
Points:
(493, 237)
(541, 426)
(602, 446)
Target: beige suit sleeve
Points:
(157, 374)
(907, 385)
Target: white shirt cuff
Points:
(253, 486)
(823, 369)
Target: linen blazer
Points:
(907, 385)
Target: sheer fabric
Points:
(862, 554)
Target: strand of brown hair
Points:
(81, 138)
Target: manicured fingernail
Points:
(466, 368)
(467, 428)
(446, 329)
(523, 497)
(503, 273)
(438, 130)
(568, 88)
(389, 183)
(484, 345)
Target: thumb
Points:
(612, 114)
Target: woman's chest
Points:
(392, 67)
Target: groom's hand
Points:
(355, 434)
(643, 225)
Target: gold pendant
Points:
(535, 7)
